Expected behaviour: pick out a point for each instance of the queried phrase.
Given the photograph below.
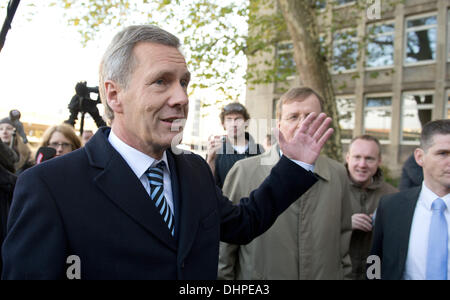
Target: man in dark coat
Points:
(130, 204)
(411, 235)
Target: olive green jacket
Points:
(310, 240)
(365, 201)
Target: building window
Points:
(320, 4)
(346, 111)
(448, 35)
(417, 111)
(377, 116)
(421, 34)
(344, 2)
(286, 68)
(345, 50)
(380, 47)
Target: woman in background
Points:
(62, 138)
(9, 137)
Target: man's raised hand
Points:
(308, 139)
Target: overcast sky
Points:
(41, 62)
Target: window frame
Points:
(414, 93)
(378, 95)
(418, 28)
(355, 39)
(448, 36)
(348, 96)
(337, 5)
(286, 51)
(382, 34)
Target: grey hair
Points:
(118, 62)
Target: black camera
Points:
(82, 103)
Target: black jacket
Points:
(227, 157)
(392, 230)
(412, 175)
(7, 183)
(8, 157)
(90, 203)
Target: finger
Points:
(325, 137)
(367, 219)
(358, 225)
(362, 226)
(306, 123)
(361, 221)
(367, 225)
(323, 127)
(316, 123)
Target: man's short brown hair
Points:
(432, 128)
(297, 94)
(234, 108)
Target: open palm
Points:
(308, 139)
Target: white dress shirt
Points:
(416, 259)
(140, 162)
(304, 165)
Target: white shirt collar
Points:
(428, 196)
(139, 162)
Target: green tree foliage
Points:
(219, 36)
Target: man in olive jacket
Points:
(310, 240)
(367, 186)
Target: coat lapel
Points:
(190, 195)
(407, 206)
(122, 187)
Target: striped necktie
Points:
(155, 176)
(437, 256)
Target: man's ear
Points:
(418, 155)
(112, 90)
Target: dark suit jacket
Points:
(89, 203)
(391, 233)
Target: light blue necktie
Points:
(437, 257)
(155, 176)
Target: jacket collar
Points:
(408, 203)
(118, 182)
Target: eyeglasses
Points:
(65, 146)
